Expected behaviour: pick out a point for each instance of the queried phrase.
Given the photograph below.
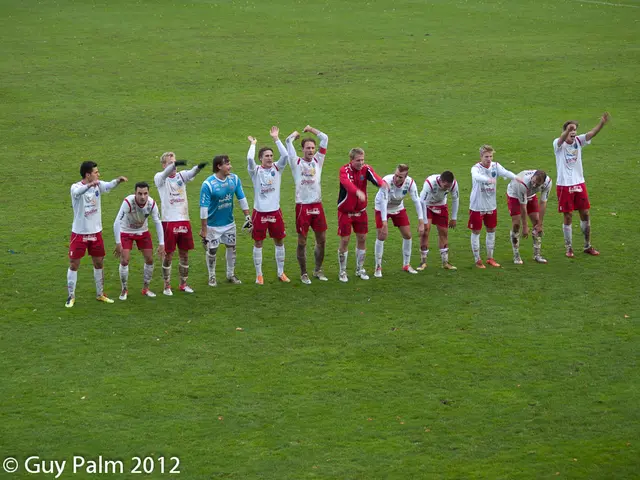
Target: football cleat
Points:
(283, 278)
(304, 278)
(212, 281)
(517, 259)
(378, 272)
(448, 266)
(591, 251)
(71, 301)
(569, 253)
(422, 266)
(409, 269)
(493, 263)
(167, 291)
(124, 294)
(148, 293)
(362, 274)
(479, 263)
(103, 298)
(260, 280)
(319, 274)
(540, 259)
(234, 280)
(342, 276)
(186, 288)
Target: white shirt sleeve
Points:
(478, 176)
(189, 175)
(251, 163)
(455, 201)
(382, 200)
(124, 208)
(546, 190)
(160, 177)
(284, 156)
(291, 150)
(413, 191)
(106, 187)
(423, 199)
(155, 215)
(78, 189)
(244, 204)
(504, 173)
(322, 151)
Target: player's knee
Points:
(124, 263)
(516, 227)
(213, 251)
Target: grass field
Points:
(526, 372)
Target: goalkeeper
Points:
(216, 216)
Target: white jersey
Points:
(172, 186)
(306, 175)
(87, 210)
(524, 192)
(569, 161)
(266, 181)
(391, 201)
(483, 190)
(433, 195)
(133, 218)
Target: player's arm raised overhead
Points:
(162, 176)
(455, 204)
(251, 155)
(565, 134)
(324, 141)
(594, 131)
(284, 156)
(291, 149)
(189, 175)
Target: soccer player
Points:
(86, 231)
(522, 202)
(352, 210)
(482, 206)
(267, 215)
(217, 225)
(434, 200)
(389, 204)
(570, 187)
(131, 226)
(307, 171)
(172, 186)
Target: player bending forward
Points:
(131, 226)
(389, 204)
(522, 202)
(434, 200)
(86, 231)
(217, 225)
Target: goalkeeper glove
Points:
(201, 165)
(180, 163)
(248, 224)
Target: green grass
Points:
(518, 373)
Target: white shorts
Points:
(225, 235)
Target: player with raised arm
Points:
(389, 204)
(482, 205)
(131, 226)
(217, 225)
(267, 216)
(522, 202)
(86, 231)
(307, 171)
(174, 206)
(352, 210)
(570, 187)
(433, 196)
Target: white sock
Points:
(379, 250)
(491, 243)
(231, 260)
(147, 275)
(360, 259)
(566, 230)
(280, 259)
(99, 279)
(184, 273)
(537, 245)
(166, 272)
(72, 279)
(444, 255)
(475, 246)
(342, 260)
(585, 226)
(423, 255)
(257, 260)
(406, 251)
(124, 276)
(515, 242)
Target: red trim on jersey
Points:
(578, 139)
(438, 181)
(130, 209)
(453, 186)
(411, 184)
(299, 160)
(322, 151)
(430, 186)
(180, 173)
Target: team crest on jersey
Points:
(494, 173)
(179, 182)
(97, 193)
(361, 177)
(404, 192)
(273, 173)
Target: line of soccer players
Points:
(218, 225)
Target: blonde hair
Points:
(403, 167)
(163, 158)
(355, 151)
(486, 148)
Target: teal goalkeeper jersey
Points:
(217, 196)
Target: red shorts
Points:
(268, 221)
(310, 215)
(476, 219)
(514, 205)
(359, 221)
(80, 244)
(142, 240)
(572, 198)
(177, 233)
(439, 215)
(399, 219)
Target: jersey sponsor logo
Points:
(89, 238)
(313, 211)
(176, 200)
(356, 214)
(307, 182)
(88, 213)
(265, 191)
(268, 219)
(576, 189)
(436, 210)
(180, 229)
